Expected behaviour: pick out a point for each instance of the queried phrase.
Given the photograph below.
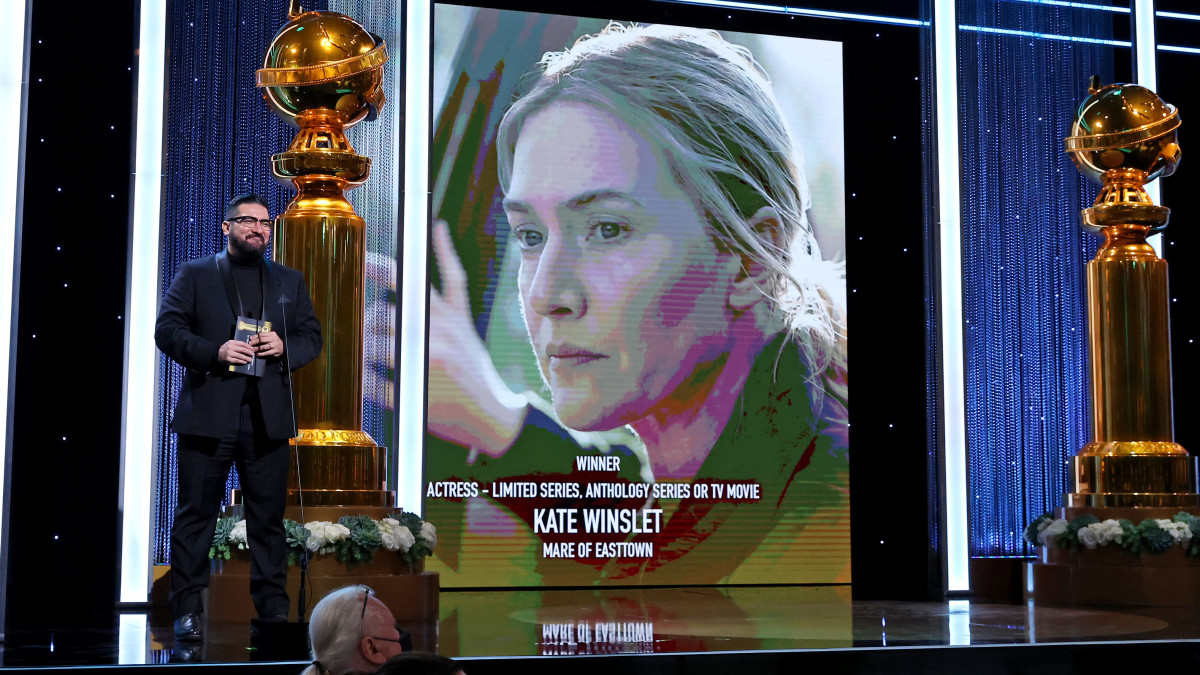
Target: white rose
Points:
(404, 539)
(429, 533)
(330, 532)
(388, 540)
(1107, 531)
(238, 534)
(1055, 528)
(339, 532)
(316, 535)
(1089, 537)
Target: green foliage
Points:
(296, 536)
(1155, 539)
(1131, 537)
(1034, 528)
(1192, 545)
(420, 548)
(220, 542)
(359, 548)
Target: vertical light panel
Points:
(1145, 49)
(141, 300)
(13, 45)
(959, 622)
(945, 46)
(1145, 44)
(410, 408)
(132, 639)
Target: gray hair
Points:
(711, 106)
(334, 631)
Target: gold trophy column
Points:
(323, 73)
(1124, 136)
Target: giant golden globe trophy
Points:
(323, 73)
(1124, 136)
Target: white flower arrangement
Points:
(395, 536)
(1152, 535)
(322, 535)
(353, 539)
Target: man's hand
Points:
(235, 353)
(266, 344)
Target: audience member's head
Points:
(351, 631)
(420, 663)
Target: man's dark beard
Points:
(241, 251)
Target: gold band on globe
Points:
(323, 72)
(1123, 137)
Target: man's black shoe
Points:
(187, 628)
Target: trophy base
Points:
(1133, 499)
(336, 468)
(1134, 480)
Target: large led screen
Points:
(637, 331)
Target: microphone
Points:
(302, 600)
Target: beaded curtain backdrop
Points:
(1023, 256)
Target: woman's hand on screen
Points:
(469, 404)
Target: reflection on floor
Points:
(632, 621)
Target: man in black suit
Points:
(223, 417)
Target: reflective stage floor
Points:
(786, 624)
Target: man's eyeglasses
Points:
(405, 640)
(251, 221)
(367, 593)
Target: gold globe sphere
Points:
(1125, 126)
(327, 60)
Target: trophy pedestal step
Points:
(1108, 576)
(413, 598)
(332, 467)
(1148, 480)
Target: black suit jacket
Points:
(197, 317)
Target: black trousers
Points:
(204, 463)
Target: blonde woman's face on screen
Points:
(624, 293)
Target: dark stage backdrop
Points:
(64, 536)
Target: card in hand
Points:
(243, 329)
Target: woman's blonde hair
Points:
(711, 107)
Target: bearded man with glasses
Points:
(235, 405)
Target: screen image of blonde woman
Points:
(637, 332)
